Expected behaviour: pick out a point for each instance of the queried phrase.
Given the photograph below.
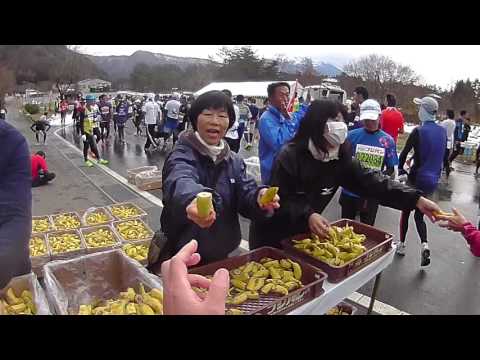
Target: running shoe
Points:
(425, 256)
(88, 163)
(103, 161)
(401, 248)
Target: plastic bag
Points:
(253, 168)
(96, 210)
(149, 180)
(93, 277)
(29, 282)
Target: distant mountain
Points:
(37, 63)
(120, 67)
(327, 69)
(322, 68)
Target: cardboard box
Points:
(99, 276)
(29, 282)
(131, 173)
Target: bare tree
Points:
(69, 71)
(7, 82)
(381, 73)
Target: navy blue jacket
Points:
(187, 171)
(428, 143)
(15, 203)
(459, 130)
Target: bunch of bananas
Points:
(342, 246)
(97, 217)
(41, 225)
(128, 303)
(137, 252)
(133, 230)
(100, 238)
(123, 212)
(64, 242)
(14, 305)
(234, 311)
(37, 246)
(254, 279)
(66, 222)
(337, 310)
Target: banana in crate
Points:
(256, 279)
(41, 224)
(37, 246)
(125, 211)
(99, 237)
(62, 242)
(128, 303)
(12, 304)
(96, 216)
(68, 221)
(132, 230)
(138, 252)
(341, 246)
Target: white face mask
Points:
(336, 132)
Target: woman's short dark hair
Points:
(361, 90)
(313, 124)
(391, 101)
(240, 98)
(271, 88)
(450, 114)
(463, 112)
(227, 92)
(215, 100)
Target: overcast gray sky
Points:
(437, 64)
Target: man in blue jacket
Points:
(459, 135)
(428, 143)
(276, 126)
(15, 204)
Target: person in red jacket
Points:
(457, 222)
(391, 120)
(40, 174)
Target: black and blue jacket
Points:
(187, 171)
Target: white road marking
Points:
(146, 195)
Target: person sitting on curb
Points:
(458, 223)
(40, 174)
(180, 298)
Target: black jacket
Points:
(188, 170)
(307, 186)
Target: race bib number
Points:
(370, 157)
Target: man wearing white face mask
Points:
(374, 149)
(428, 142)
(308, 171)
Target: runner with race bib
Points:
(374, 149)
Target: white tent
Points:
(247, 88)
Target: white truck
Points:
(328, 89)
